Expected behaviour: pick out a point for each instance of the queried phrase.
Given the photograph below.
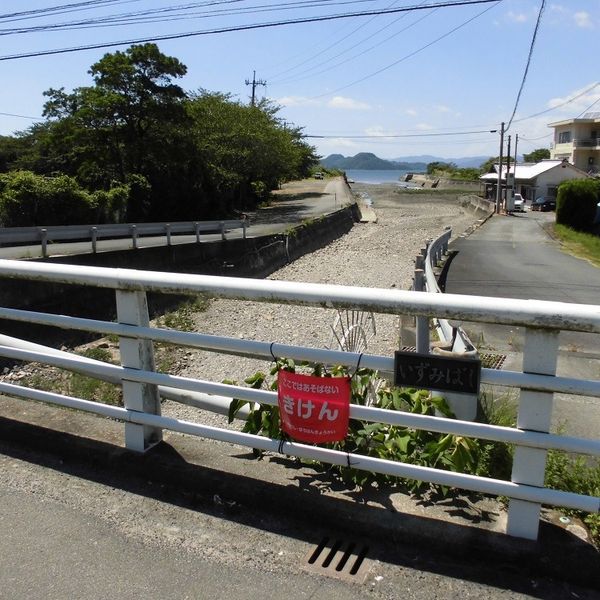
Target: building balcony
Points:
(587, 143)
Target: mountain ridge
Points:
(369, 161)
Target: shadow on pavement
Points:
(166, 475)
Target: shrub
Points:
(576, 203)
(27, 199)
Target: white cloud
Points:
(443, 109)
(583, 19)
(297, 101)
(411, 112)
(347, 104)
(517, 17)
(572, 109)
(424, 127)
(379, 130)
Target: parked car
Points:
(519, 204)
(318, 175)
(544, 204)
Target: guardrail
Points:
(452, 338)
(142, 386)
(64, 233)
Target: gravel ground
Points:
(371, 255)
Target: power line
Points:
(411, 54)
(355, 45)
(533, 38)
(4, 114)
(395, 136)
(249, 27)
(543, 112)
(360, 54)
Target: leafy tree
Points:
(488, 165)
(246, 150)
(130, 122)
(28, 199)
(537, 155)
(433, 167)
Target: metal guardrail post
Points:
(422, 322)
(168, 233)
(244, 227)
(132, 309)
(134, 236)
(44, 242)
(222, 230)
(197, 231)
(535, 414)
(94, 239)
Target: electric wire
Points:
(588, 108)
(524, 79)
(553, 108)
(354, 56)
(248, 27)
(411, 54)
(298, 76)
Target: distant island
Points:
(416, 164)
(368, 161)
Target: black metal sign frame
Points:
(432, 372)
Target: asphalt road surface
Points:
(515, 257)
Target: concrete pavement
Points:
(516, 257)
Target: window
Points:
(564, 137)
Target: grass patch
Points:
(577, 243)
(182, 318)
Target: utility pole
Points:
(254, 83)
(499, 186)
(516, 142)
(508, 157)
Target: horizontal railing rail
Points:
(65, 233)
(142, 385)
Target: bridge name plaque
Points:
(431, 372)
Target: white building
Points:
(578, 141)
(533, 180)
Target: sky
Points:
(433, 80)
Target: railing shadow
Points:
(404, 540)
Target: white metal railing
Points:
(142, 385)
(63, 233)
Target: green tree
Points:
(437, 166)
(487, 166)
(132, 121)
(246, 150)
(537, 155)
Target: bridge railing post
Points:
(132, 309)
(197, 230)
(94, 239)
(422, 323)
(222, 230)
(168, 232)
(44, 242)
(134, 236)
(535, 414)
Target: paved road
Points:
(515, 257)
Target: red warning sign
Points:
(314, 409)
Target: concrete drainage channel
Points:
(340, 559)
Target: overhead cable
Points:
(533, 39)
(249, 27)
(411, 54)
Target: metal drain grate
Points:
(340, 559)
(492, 361)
